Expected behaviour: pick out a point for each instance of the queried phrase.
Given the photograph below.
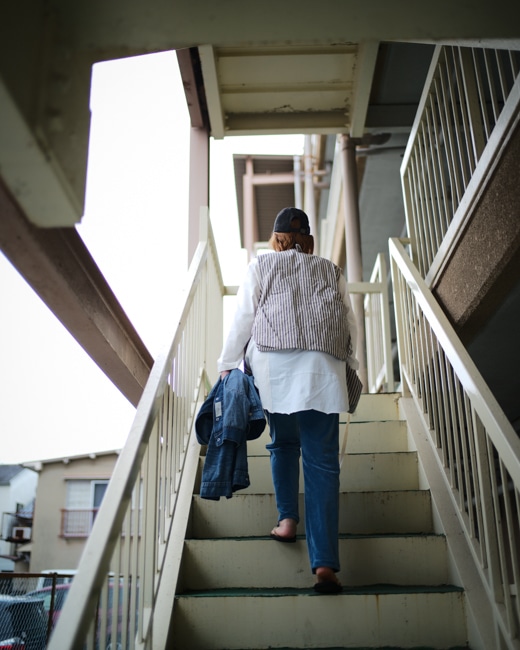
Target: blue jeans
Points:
(317, 435)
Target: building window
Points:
(83, 500)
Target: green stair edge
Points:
(302, 537)
(379, 590)
(386, 647)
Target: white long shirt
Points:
(288, 380)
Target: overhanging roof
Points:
(326, 89)
(291, 89)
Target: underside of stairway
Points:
(238, 589)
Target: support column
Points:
(353, 246)
(249, 208)
(309, 198)
(298, 200)
(198, 185)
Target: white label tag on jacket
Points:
(218, 409)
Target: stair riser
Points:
(359, 472)
(362, 437)
(311, 621)
(371, 408)
(360, 512)
(231, 564)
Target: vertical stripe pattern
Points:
(300, 306)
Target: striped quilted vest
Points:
(300, 306)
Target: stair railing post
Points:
(400, 321)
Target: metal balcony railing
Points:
(469, 97)
(151, 487)
(77, 523)
(476, 445)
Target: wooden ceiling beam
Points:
(58, 267)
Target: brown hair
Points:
(284, 241)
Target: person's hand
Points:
(224, 373)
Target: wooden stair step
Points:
(364, 560)
(254, 515)
(276, 618)
(363, 437)
(359, 472)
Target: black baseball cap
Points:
(284, 218)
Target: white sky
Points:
(54, 401)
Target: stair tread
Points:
(378, 590)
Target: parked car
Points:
(23, 623)
(45, 596)
(60, 595)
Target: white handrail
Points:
(476, 444)
(380, 369)
(130, 542)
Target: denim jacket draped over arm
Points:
(231, 414)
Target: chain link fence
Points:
(30, 604)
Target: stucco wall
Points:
(49, 550)
(481, 271)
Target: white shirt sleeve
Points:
(240, 331)
(352, 325)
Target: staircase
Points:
(239, 589)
